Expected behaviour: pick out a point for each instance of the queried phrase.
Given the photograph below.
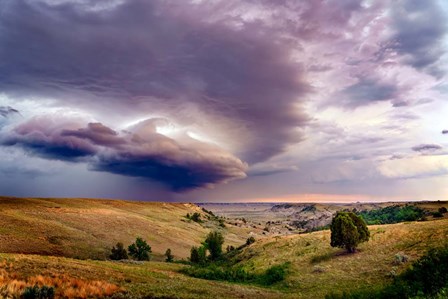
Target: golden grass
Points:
(318, 269)
(13, 284)
(87, 228)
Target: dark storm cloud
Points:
(427, 148)
(140, 152)
(444, 132)
(7, 111)
(420, 27)
(42, 136)
(367, 91)
(156, 55)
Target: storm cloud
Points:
(156, 55)
(140, 151)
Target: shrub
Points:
(198, 255)
(230, 248)
(437, 215)
(213, 243)
(442, 210)
(118, 252)
(169, 256)
(392, 214)
(37, 292)
(275, 274)
(348, 230)
(250, 240)
(237, 274)
(140, 250)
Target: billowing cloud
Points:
(444, 132)
(427, 148)
(139, 56)
(140, 151)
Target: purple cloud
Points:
(181, 164)
(155, 55)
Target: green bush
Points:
(213, 243)
(169, 256)
(238, 274)
(348, 230)
(442, 210)
(198, 255)
(118, 252)
(140, 250)
(37, 292)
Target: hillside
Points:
(88, 228)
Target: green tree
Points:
(348, 230)
(118, 252)
(140, 250)
(213, 243)
(169, 256)
(198, 255)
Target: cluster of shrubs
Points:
(393, 214)
(209, 262)
(427, 278)
(139, 250)
(196, 217)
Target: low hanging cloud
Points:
(444, 132)
(140, 151)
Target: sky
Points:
(224, 100)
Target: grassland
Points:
(54, 242)
(87, 228)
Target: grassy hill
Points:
(60, 231)
(88, 228)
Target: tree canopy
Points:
(348, 230)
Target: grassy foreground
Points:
(315, 270)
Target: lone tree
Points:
(118, 252)
(348, 230)
(213, 243)
(169, 256)
(140, 250)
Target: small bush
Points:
(140, 250)
(442, 210)
(213, 243)
(275, 274)
(37, 292)
(169, 256)
(118, 252)
(250, 240)
(198, 255)
(437, 215)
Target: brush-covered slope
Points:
(317, 269)
(88, 228)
